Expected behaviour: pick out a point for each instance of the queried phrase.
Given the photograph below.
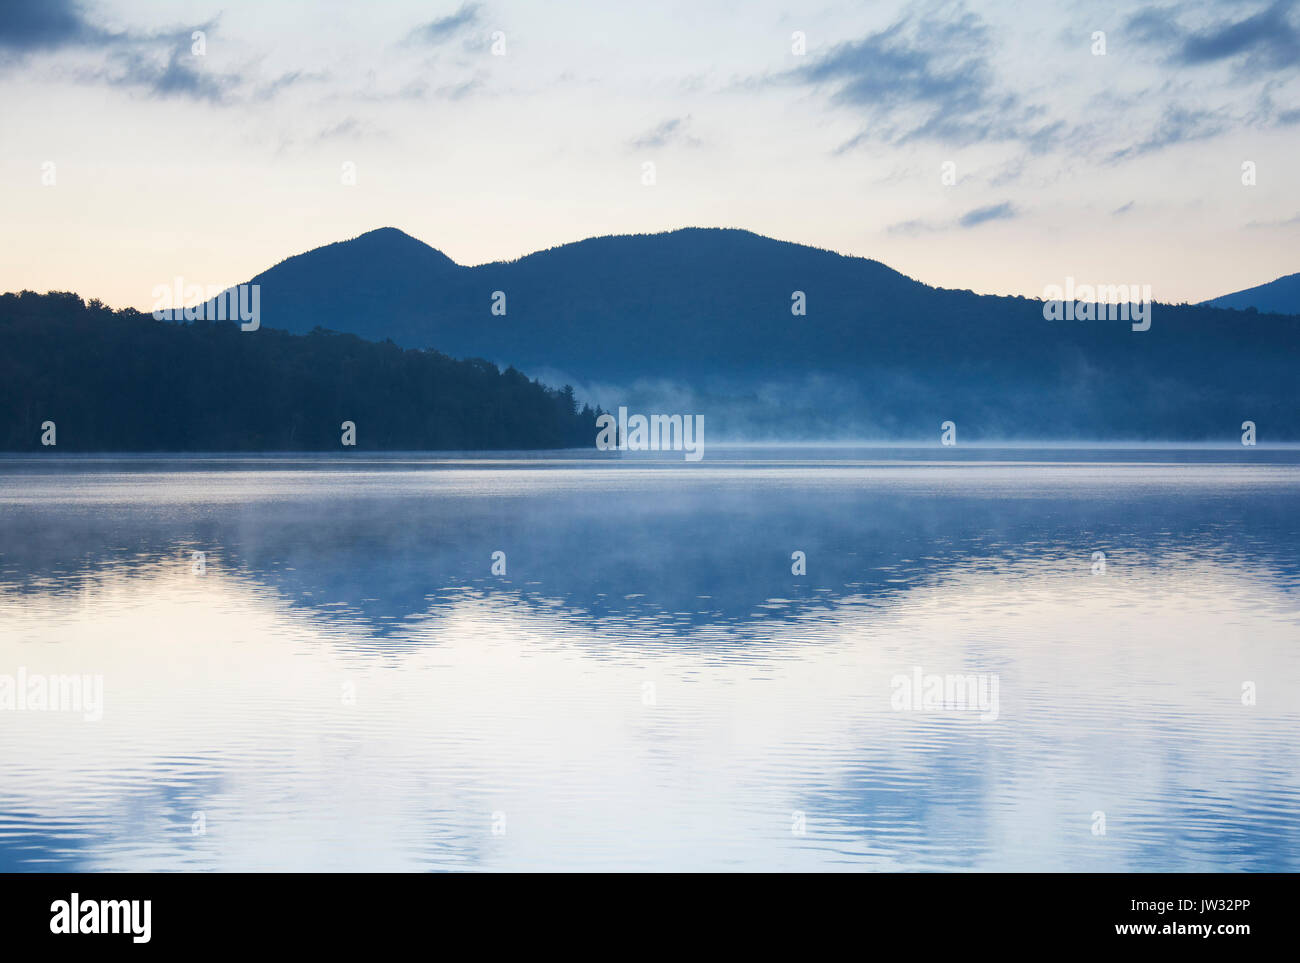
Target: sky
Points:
(1001, 146)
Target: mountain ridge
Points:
(1279, 296)
(782, 341)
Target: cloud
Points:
(444, 28)
(932, 76)
(175, 77)
(1291, 221)
(1258, 50)
(419, 90)
(1177, 125)
(349, 127)
(269, 90)
(1002, 211)
(1268, 40)
(912, 228)
(41, 26)
(162, 64)
(352, 129)
(671, 131)
(927, 76)
(982, 215)
(458, 67)
(1151, 25)
(31, 25)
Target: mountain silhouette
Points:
(354, 277)
(687, 295)
(104, 380)
(1279, 297)
(700, 320)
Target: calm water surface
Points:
(347, 685)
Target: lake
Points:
(795, 659)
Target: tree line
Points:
(119, 380)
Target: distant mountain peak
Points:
(382, 231)
(391, 238)
(387, 235)
(1279, 296)
(384, 250)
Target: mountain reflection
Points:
(346, 684)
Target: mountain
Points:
(121, 381)
(355, 278)
(692, 293)
(1279, 297)
(699, 320)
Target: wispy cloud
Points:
(33, 25)
(445, 28)
(1269, 39)
(671, 131)
(1266, 40)
(1292, 221)
(419, 90)
(351, 129)
(1003, 211)
(1177, 125)
(982, 215)
(175, 76)
(1232, 71)
(928, 76)
(161, 64)
(43, 26)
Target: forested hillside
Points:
(122, 381)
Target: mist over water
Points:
(347, 685)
